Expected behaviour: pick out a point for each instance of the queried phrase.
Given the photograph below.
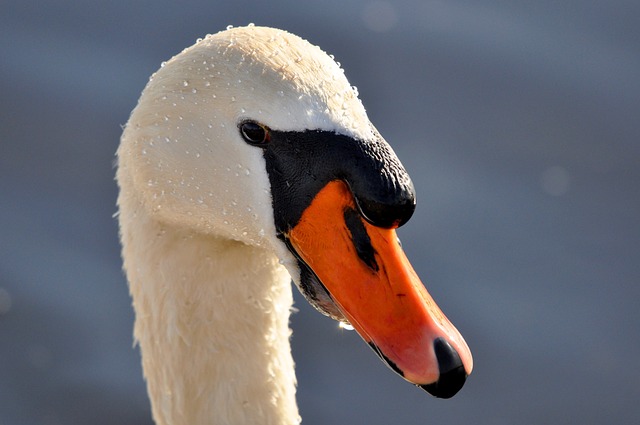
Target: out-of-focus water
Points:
(518, 123)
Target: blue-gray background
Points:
(518, 121)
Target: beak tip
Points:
(452, 372)
(448, 384)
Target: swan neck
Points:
(212, 325)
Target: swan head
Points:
(255, 135)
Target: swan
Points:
(249, 162)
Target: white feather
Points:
(212, 299)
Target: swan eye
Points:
(254, 133)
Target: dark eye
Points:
(254, 133)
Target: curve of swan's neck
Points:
(212, 325)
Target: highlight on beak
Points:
(372, 284)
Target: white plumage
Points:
(209, 278)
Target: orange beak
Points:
(372, 283)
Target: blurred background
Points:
(519, 123)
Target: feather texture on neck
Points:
(211, 321)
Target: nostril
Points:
(452, 373)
